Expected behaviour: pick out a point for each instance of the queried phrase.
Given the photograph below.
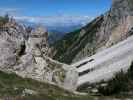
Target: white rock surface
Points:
(106, 63)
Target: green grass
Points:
(12, 86)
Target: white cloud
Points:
(52, 20)
(47, 20)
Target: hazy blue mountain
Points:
(57, 26)
(62, 24)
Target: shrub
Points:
(130, 71)
(4, 20)
(116, 85)
(119, 83)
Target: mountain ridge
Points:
(114, 27)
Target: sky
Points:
(27, 9)
(56, 7)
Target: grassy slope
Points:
(12, 86)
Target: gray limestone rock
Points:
(26, 54)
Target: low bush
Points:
(118, 84)
(115, 85)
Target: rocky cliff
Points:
(103, 32)
(26, 52)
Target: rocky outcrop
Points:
(117, 22)
(26, 54)
(103, 32)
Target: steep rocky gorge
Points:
(103, 32)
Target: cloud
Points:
(46, 20)
(58, 20)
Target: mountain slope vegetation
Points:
(72, 43)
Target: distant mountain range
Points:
(57, 26)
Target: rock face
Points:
(117, 22)
(26, 54)
(103, 32)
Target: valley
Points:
(67, 57)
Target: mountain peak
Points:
(123, 5)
